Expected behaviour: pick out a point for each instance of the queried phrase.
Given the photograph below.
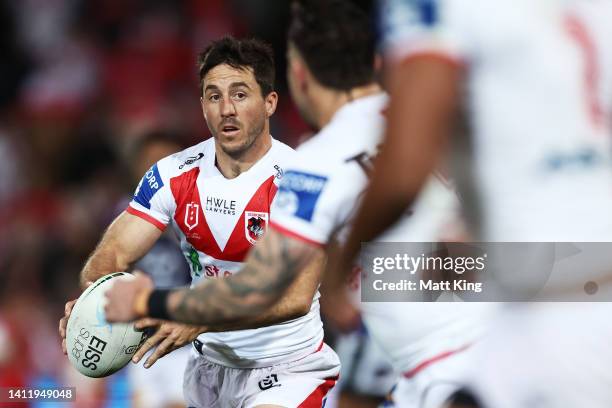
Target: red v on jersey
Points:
(190, 217)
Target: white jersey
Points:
(218, 220)
(317, 197)
(538, 91)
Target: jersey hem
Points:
(263, 362)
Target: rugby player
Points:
(217, 197)
(535, 81)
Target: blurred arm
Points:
(295, 302)
(270, 268)
(424, 102)
(125, 241)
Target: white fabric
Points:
(209, 385)
(542, 163)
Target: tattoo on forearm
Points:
(269, 269)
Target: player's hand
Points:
(63, 323)
(168, 337)
(122, 295)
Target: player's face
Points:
(298, 87)
(235, 111)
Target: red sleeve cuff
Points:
(297, 236)
(146, 217)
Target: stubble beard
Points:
(237, 151)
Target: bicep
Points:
(270, 268)
(130, 237)
(274, 265)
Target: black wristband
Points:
(157, 304)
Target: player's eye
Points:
(214, 97)
(240, 95)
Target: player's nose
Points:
(228, 108)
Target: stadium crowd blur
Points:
(80, 82)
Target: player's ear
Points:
(271, 101)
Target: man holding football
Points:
(217, 196)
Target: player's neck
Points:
(231, 166)
(330, 101)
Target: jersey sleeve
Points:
(153, 200)
(310, 205)
(426, 27)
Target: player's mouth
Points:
(230, 130)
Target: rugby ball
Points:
(95, 347)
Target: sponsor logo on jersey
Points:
(194, 262)
(213, 271)
(191, 160)
(279, 172)
(575, 160)
(255, 225)
(150, 184)
(269, 382)
(221, 205)
(299, 192)
(192, 211)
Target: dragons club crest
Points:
(255, 224)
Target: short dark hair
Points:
(336, 40)
(240, 54)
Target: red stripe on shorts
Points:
(315, 400)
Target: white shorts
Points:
(546, 355)
(162, 384)
(433, 381)
(301, 383)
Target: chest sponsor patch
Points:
(150, 184)
(299, 192)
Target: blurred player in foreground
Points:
(535, 79)
(217, 196)
(332, 81)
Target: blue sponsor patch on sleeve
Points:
(150, 184)
(406, 18)
(299, 192)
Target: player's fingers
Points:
(62, 327)
(68, 307)
(146, 322)
(164, 348)
(147, 345)
(64, 347)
